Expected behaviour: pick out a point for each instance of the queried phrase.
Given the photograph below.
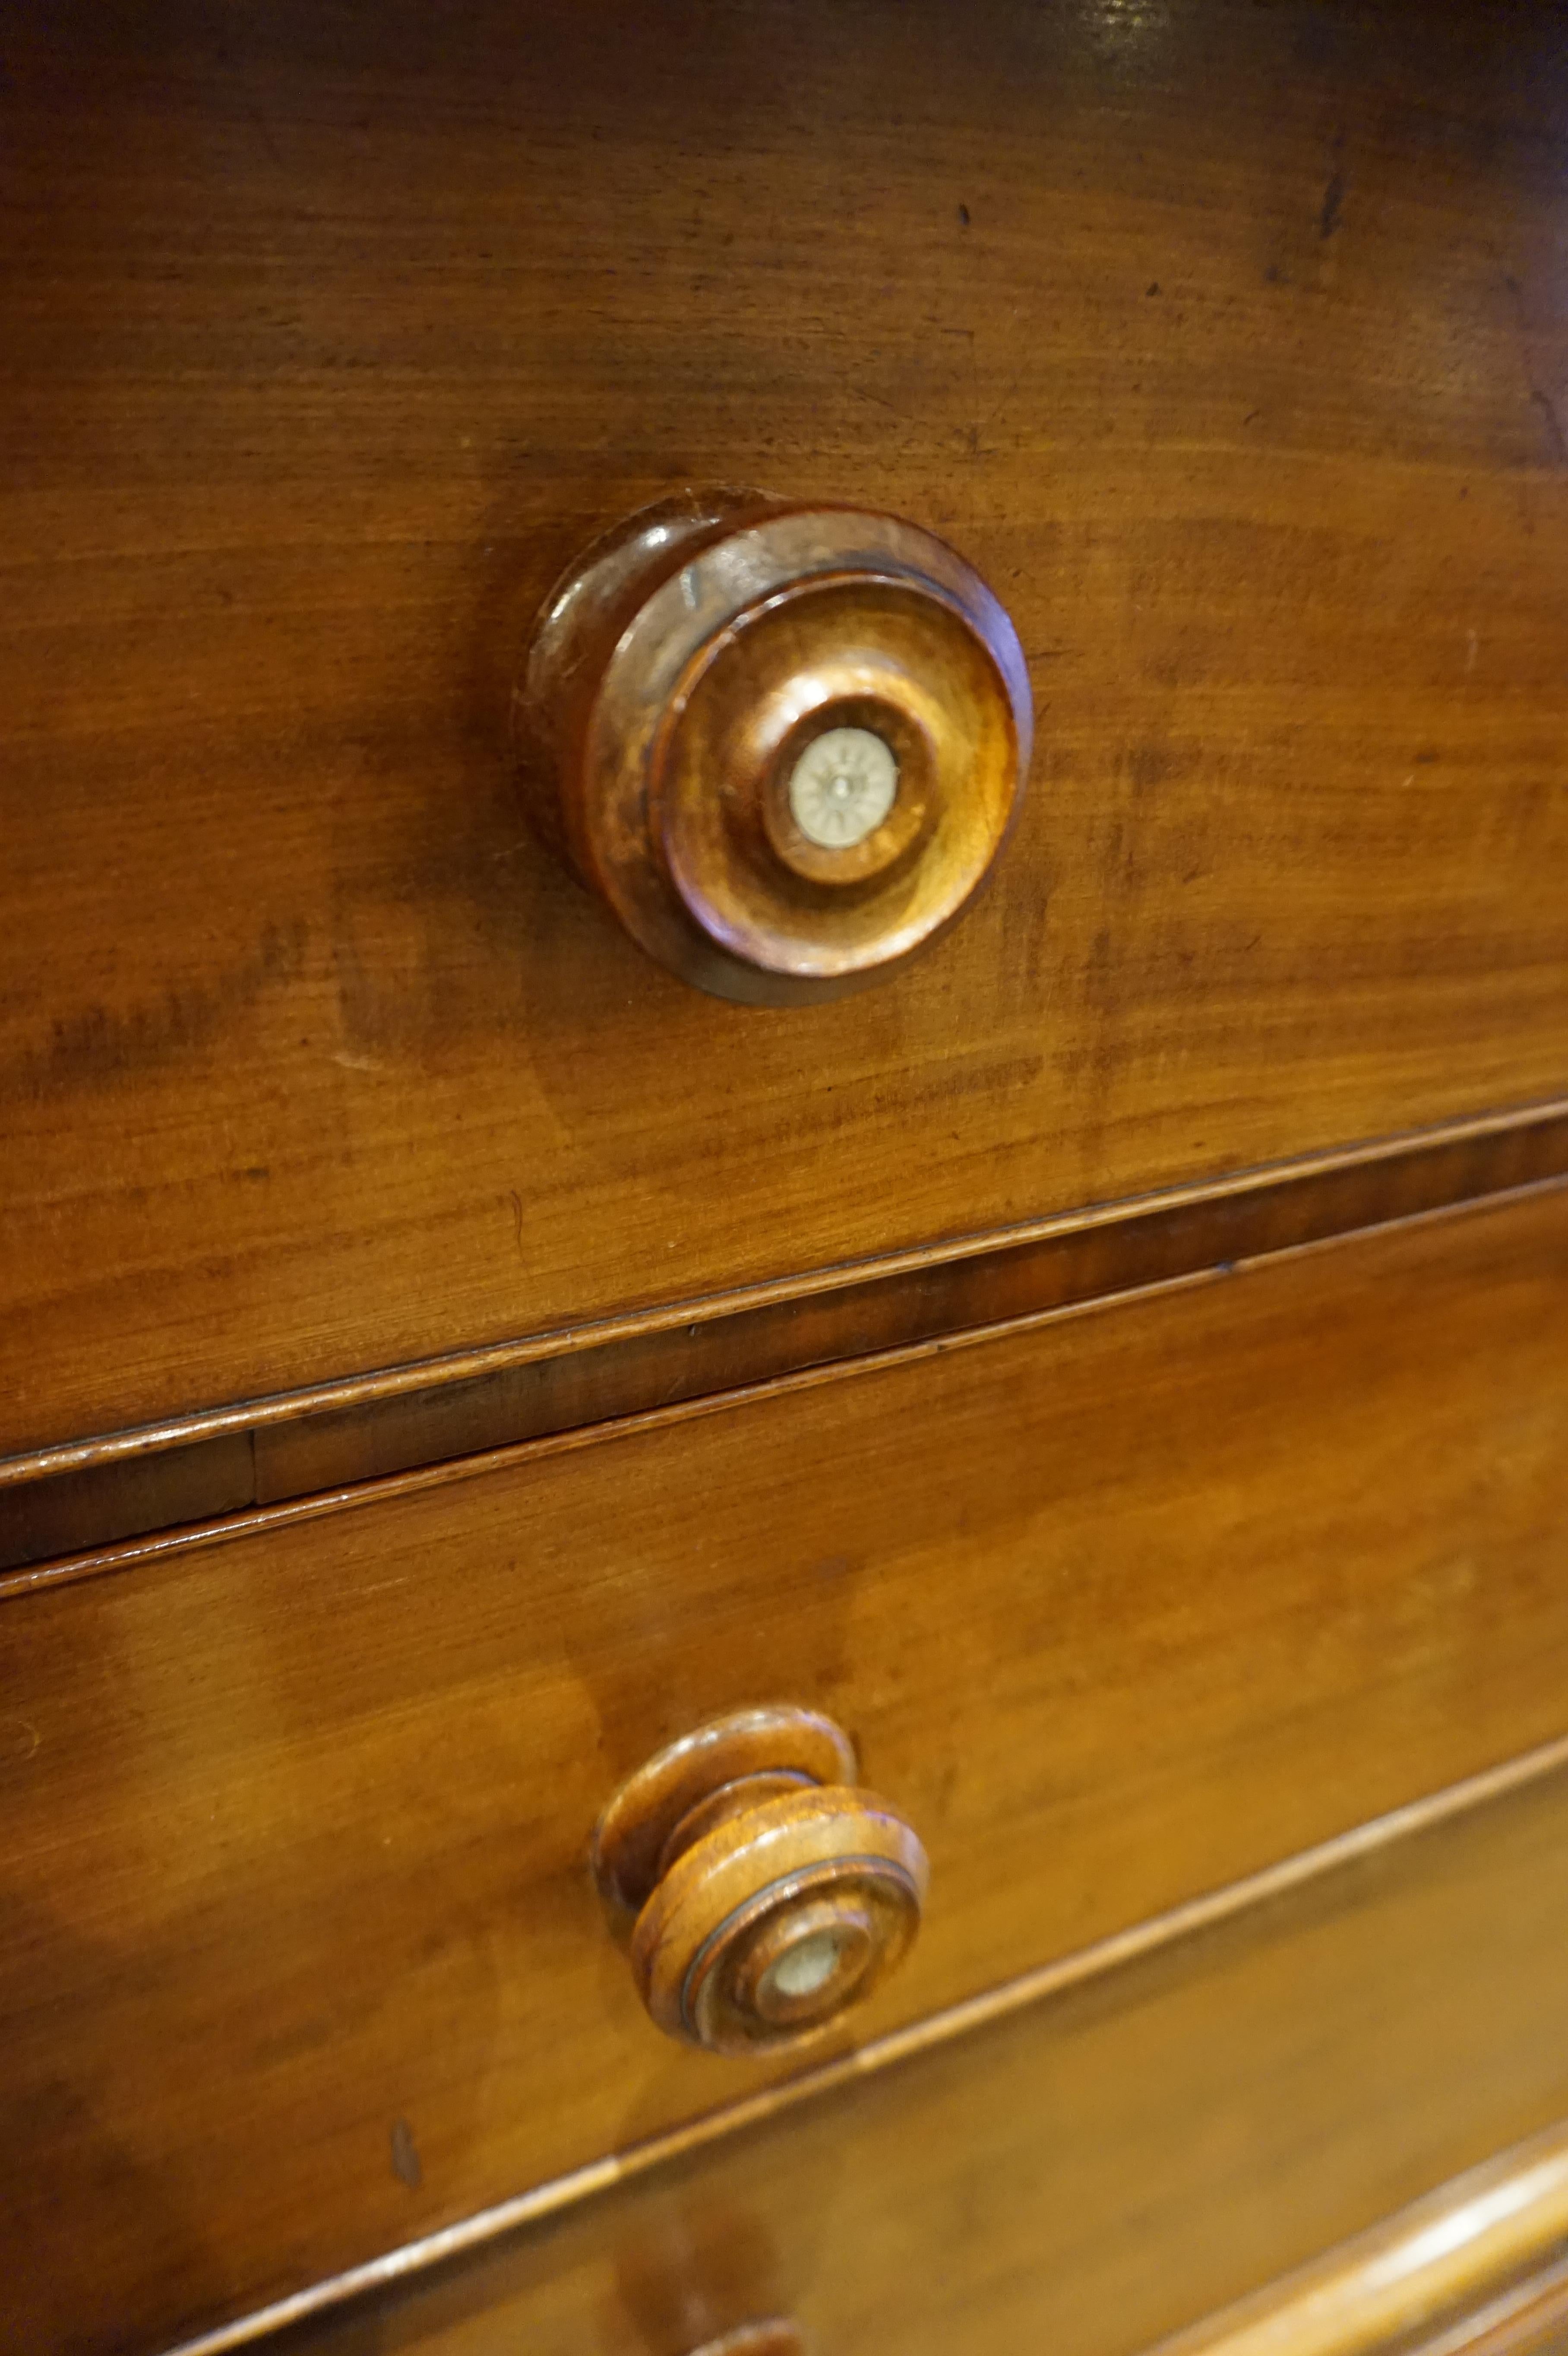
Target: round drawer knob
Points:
(764, 1893)
(784, 744)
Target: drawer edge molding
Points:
(1172, 1932)
(82, 1504)
(1476, 2268)
(160, 1543)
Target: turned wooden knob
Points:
(764, 1893)
(784, 744)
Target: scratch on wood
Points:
(1548, 409)
(405, 2156)
(1540, 398)
(1333, 200)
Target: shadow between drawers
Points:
(68, 1508)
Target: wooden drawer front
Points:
(1117, 1608)
(1102, 2167)
(1228, 358)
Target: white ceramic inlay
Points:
(843, 786)
(802, 1969)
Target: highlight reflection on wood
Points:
(1475, 2268)
(755, 2339)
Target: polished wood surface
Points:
(1091, 2172)
(1223, 341)
(83, 1497)
(679, 681)
(1119, 1610)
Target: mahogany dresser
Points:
(783, 1068)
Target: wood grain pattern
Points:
(1226, 342)
(79, 1499)
(1095, 2170)
(1117, 1610)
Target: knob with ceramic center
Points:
(761, 1891)
(784, 744)
(842, 786)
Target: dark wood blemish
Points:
(95, 1047)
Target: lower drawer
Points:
(1096, 2169)
(301, 1958)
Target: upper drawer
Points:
(1118, 1609)
(1228, 354)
